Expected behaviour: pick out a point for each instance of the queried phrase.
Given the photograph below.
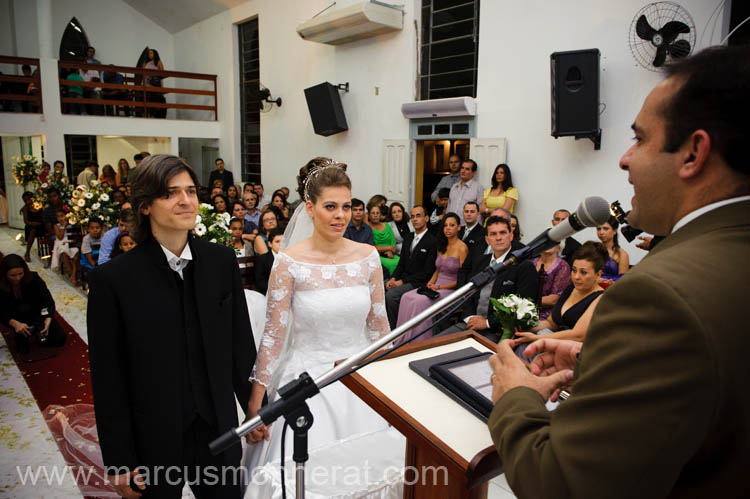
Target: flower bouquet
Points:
(61, 183)
(514, 311)
(211, 226)
(26, 169)
(93, 202)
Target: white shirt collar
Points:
(470, 228)
(178, 263)
(501, 258)
(705, 209)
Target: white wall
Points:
(117, 31)
(109, 149)
(514, 99)
(289, 65)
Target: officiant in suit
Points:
(519, 279)
(416, 265)
(170, 346)
(658, 405)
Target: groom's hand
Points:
(121, 483)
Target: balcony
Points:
(21, 93)
(127, 91)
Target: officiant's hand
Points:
(509, 372)
(554, 356)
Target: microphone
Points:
(591, 212)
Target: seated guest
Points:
(221, 205)
(240, 246)
(472, 233)
(569, 319)
(441, 203)
(400, 224)
(282, 222)
(358, 230)
(501, 193)
(26, 305)
(232, 194)
(264, 263)
(64, 249)
(382, 235)
(54, 204)
(118, 196)
(451, 254)
(279, 200)
(123, 244)
(268, 221)
(250, 199)
(519, 279)
(108, 175)
(618, 262)
(249, 229)
(248, 187)
(556, 278)
(415, 265)
(381, 201)
(215, 191)
(124, 224)
(33, 222)
(570, 245)
(90, 246)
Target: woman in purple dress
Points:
(557, 278)
(451, 255)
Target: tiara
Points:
(316, 171)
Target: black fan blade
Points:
(679, 49)
(661, 56)
(673, 28)
(644, 29)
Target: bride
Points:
(325, 303)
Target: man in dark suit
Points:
(264, 262)
(659, 406)
(416, 265)
(170, 346)
(472, 233)
(570, 245)
(226, 177)
(519, 279)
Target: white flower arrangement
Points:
(211, 226)
(93, 202)
(513, 311)
(26, 170)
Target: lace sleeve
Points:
(278, 307)
(377, 319)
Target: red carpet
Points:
(61, 386)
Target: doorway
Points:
(432, 165)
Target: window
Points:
(249, 100)
(74, 43)
(449, 48)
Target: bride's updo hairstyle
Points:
(318, 174)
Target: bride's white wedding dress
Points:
(315, 315)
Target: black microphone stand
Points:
(291, 403)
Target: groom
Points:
(170, 346)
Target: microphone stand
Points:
(291, 403)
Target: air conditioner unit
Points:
(438, 108)
(361, 20)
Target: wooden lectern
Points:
(439, 432)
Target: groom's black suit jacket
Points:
(519, 279)
(139, 358)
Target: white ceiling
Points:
(176, 15)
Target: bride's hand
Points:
(260, 433)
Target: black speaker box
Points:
(324, 103)
(575, 93)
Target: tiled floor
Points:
(25, 439)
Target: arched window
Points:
(74, 42)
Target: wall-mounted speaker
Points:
(575, 94)
(326, 111)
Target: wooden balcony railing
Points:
(134, 96)
(26, 90)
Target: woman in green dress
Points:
(385, 240)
